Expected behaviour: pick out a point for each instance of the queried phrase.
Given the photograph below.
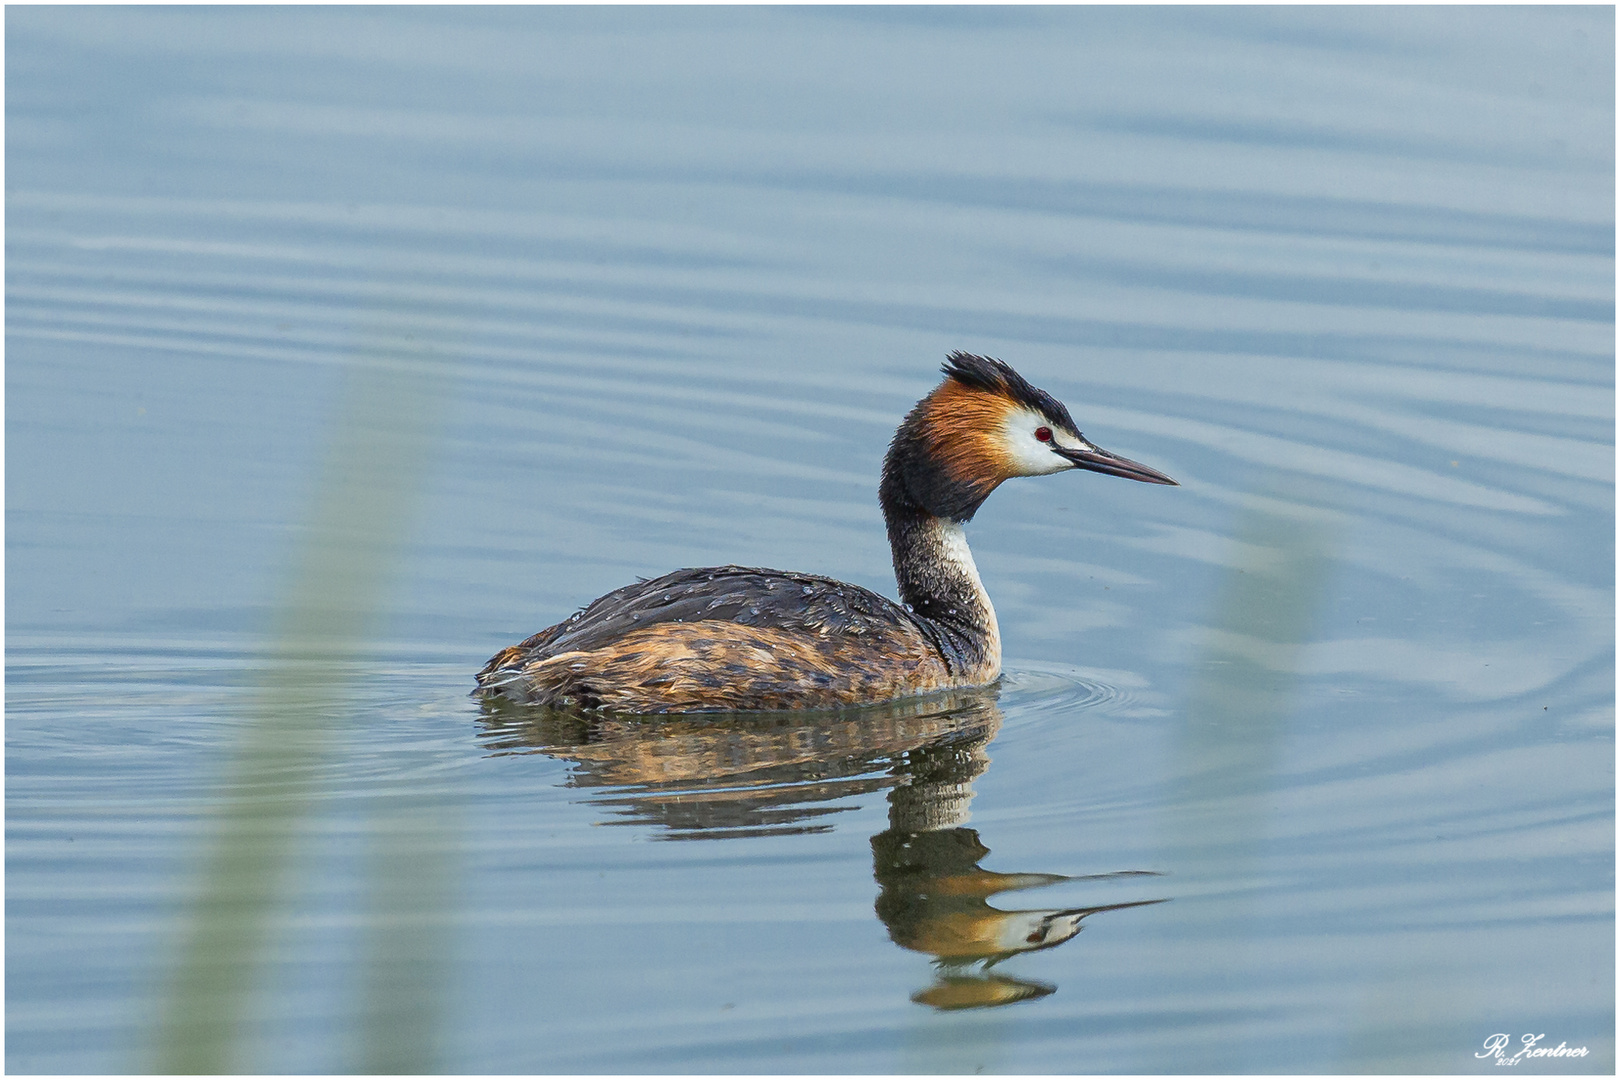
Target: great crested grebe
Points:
(738, 638)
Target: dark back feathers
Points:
(740, 594)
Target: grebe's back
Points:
(734, 638)
(741, 638)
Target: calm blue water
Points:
(393, 335)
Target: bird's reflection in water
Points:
(935, 897)
(729, 775)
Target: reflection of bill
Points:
(935, 897)
(729, 775)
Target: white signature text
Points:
(1497, 1047)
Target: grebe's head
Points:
(982, 425)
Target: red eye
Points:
(1044, 434)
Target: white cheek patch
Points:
(1027, 455)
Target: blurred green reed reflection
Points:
(385, 429)
(412, 880)
(1238, 708)
(1237, 711)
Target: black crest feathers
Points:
(997, 377)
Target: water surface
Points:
(347, 346)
